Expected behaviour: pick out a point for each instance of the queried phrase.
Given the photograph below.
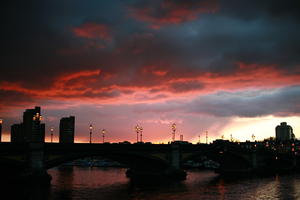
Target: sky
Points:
(228, 67)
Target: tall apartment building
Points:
(284, 132)
(29, 130)
(67, 129)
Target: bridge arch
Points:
(226, 159)
(132, 160)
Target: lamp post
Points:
(1, 121)
(141, 133)
(103, 135)
(253, 137)
(36, 135)
(173, 131)
(199, 138)
(206, 136)
(37, 117)
(51, 130)
(91, 130)
(137, 130)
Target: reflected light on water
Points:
(70, 183)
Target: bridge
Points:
(30, 161)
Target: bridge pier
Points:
(175, 156)
(174, 171)
(36, 172)
(254, 161)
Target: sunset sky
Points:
(222, 66)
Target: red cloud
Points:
(85, 73)
(155, 70)
(246, 76)
(151, 83)
(173, 12)
(71, 84)
(93, 30)
(250, 75)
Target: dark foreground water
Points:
(78, 183)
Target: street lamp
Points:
(206, 136)
(103, 134)
(91, 130)
(253, 137)
(1, 121)
(141, 133)
(36, 135)
(173, 131)
(51, 130)
(37, 117)
(137, 130)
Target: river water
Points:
(70, 183)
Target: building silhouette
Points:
(284, 132)
(29, 130)
(66, 129)
(17, 133)
(37, 130)
(28, 122)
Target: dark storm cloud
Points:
(256, 32)
(282, 102)
(215, 43)
(36, 32)
(249, 10)
(29, 43)
(160, 13)
(41, 46)
(270, 32)
(251, 103)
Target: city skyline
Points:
(205, 65)
(67, 132)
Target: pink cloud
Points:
(150, 84)
(91, 30)
(155, 70)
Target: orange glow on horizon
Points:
(240, 128)
(262, 127)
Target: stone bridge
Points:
(143, 160)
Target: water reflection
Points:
(71, 183)
(66, 177)
(221, 189)
(286, 187)
(88, 183)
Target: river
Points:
(70, 183)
